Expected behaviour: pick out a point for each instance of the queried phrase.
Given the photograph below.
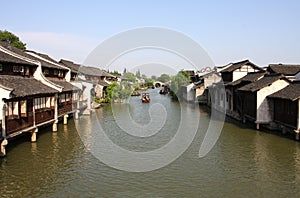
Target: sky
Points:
(262, 31)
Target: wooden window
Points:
(52, 102)
(68, 97)
(16, 109)
(27, 72)
(46, 71)
(21, 69)
(23, 108)
(63, 98)
(1, 67)
(75, 96)
(48, 102)
(55, 72)
(15, 68)
(60, 74)
(35, 103)
(9, 112)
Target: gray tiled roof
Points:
(23, 86)
(289, 70)
(238, 65)
(291, 92)
(66, 85)
(250, 77)
(4, 57)
(265, 81)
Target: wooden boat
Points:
(145, 98)
(135, 93)
(163, 92)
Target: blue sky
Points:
(262, 31)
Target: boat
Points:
(145, 97)
(163, 92)
(135, 93)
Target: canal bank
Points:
(244, 163)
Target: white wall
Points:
(4, 93)
(243, 71)
(263, 114)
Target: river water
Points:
(243, 163)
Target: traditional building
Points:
(286, 108)
(233, 99)
(291, 72)
(229, 73)
(255, 106)
(201, 86)
(235, 71)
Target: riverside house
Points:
(291, 72)
(93, 81)
(201, 87)
(221, 98)
(30, 100)
(286, 108)
(255, 106)
(233, 99)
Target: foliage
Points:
(115, 73)
(177, 81)
(164, 78)
(144, 76)
(154, 77)
(138, 74)
(11, 39)
(148, 82)
(130, 76)
(117, 92)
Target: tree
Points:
(11, 39)
(138, 74)
(176, 82)
(154, 77)
(149, 82)
(115, 73)
(125, 71)
(164, 78)
(130, 76)
(117, 92)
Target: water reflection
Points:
(243, 163)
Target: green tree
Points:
(149, 82)
(115, 73)
(130, 76)
(138, 74)
(154, 77)
(164, 78)
(176, 82)
(117, 92)
(10, 38)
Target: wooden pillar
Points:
(33, 135)
(3, 132)
(66, 119)
(2, 147)
(54, 126)
(297, 135)
(257, 126)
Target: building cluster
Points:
(267, 96)
(37, 91)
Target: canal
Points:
(243, 163)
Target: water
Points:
(243, 163)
